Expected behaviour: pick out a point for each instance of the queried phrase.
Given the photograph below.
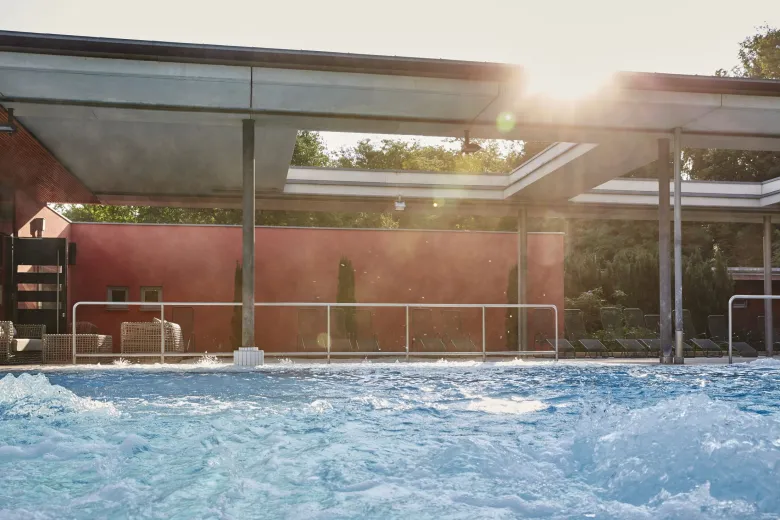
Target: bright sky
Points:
(556, 38)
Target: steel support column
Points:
(664, 256)
(248, 236)
(678, 271)
(769, 331)
(522, 275)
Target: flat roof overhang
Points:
(158, 122)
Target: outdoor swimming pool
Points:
(432, 440)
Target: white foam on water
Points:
(670, 453)
(208, 360)
(764, 363)
(402, 443)
(505, 406)
(34, 396)
(320, 406)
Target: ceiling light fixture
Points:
(469, 147)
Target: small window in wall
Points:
(117, 294)
(151, 295)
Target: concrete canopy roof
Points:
(148, 122)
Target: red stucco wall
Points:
(197, 263)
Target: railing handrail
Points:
(324, 304)
(744, 297)
(327, 306)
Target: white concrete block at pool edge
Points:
(248, 357)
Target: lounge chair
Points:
(761, 335)
(654, 345)
(365, 338)
(719, 333)
(27, 345)
(83, 327)
(576, 333)
(143, 337)
(454, 336)
(634, 318)
(612, 321)
(58, 348)
(545, 335)
(707, 346)
(653, 324)
(6, 338)
(311, 329)
(426, 339)
(340, 338)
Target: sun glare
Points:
(566, 82)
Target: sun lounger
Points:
(612, 321)
(705, 345)
(312, 329)
(365, 337)
(653, 324)
(719, 333)
(340, 338)
(455, 338)
(577, 335)
(426, 339)
(545, 335)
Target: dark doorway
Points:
(36, 274)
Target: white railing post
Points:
(731, 333)
(75, 306)
(407, 332)
(556, 332)
(328, 333)
(484, 335)
(162, 333)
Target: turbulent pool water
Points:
(434, 440)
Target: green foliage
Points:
(707, 287)
(309, 150)
(582, 272)
(759, 55)
(345, 293)
(634, 272)
(236, 320)
(589, 302)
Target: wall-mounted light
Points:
(400, 205)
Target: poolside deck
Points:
(274, 361)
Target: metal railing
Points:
(744, 297)
(328, 306)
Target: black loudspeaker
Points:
(72, 253)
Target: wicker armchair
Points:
(6, 338)
(28, 337)
(144, 337)
(58, 348)
(83, 327)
